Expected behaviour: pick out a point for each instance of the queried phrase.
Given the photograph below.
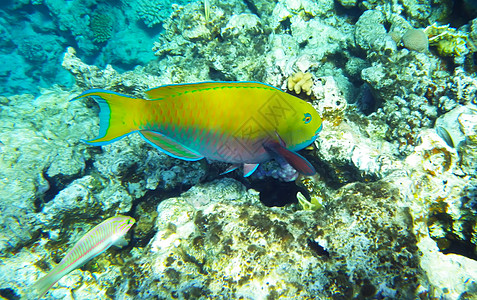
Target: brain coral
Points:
(102, 27)
(415, 39)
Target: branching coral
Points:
(299, 82)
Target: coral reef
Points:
(35, 35)
(406, 108)
(198, 47)
(153, 12)
(207, 246)
(370, 33)
(238, 24)
(36, 158)
(419, 13)
(90, 76)
(392, 205)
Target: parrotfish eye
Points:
(307, 118)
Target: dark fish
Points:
(444, 134)
(366, 101)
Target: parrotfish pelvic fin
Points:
(170, 146)
(230, 169)
(115, 117)
(248, 169)
(294, 159)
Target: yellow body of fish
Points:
(236, 122)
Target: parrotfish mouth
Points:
(314, 137)
(318, 130)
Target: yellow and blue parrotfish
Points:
(236, 122)
(93, 243)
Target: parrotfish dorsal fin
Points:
(179, 89)
(170, 146)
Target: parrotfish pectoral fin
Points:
(170, 146)
(294, 159)
(116, 115)
(248, 169)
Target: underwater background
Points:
(390, 214)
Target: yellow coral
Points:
(448, 41)
(299, 82)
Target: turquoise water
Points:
(389, 214)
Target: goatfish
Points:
(104, 235)
(242, 123)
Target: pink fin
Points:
(248, 169)
(294, 159)
(230, 169)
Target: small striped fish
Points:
(93, 243)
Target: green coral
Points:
(102, 27)
(314, 204)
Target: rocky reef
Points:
(390, 214)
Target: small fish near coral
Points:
(99, 239)
(242, 123)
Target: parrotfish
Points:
(242, 123)
(104, 235)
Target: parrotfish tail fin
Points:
(116, 118)
(42, 286)
(294, 159)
